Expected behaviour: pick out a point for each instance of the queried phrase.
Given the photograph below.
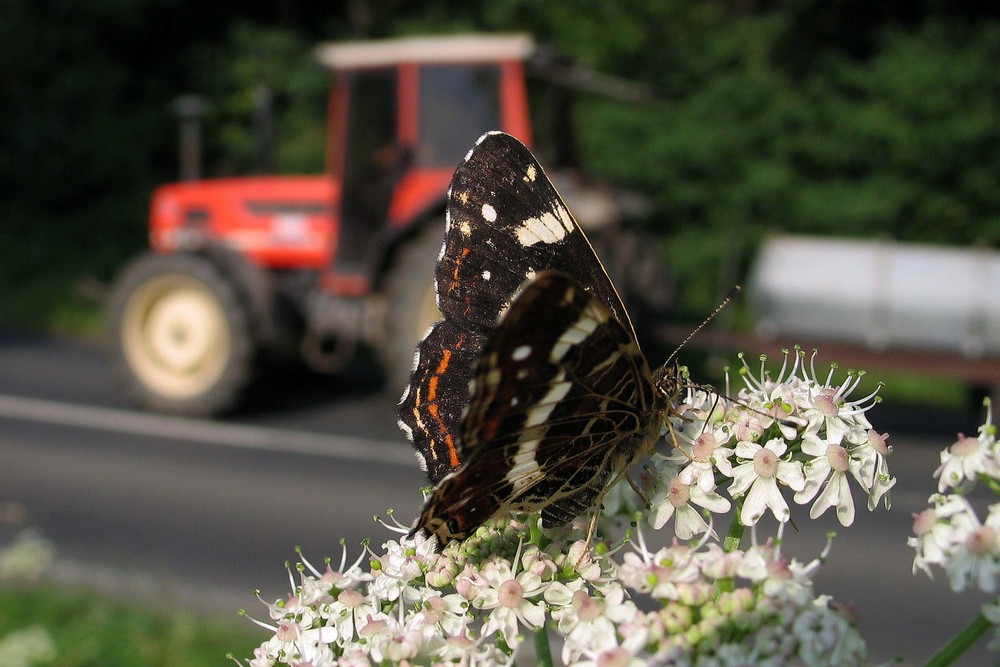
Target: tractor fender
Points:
(256, 287)
(399, 241)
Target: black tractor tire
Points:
(411, 302)
(179, 335)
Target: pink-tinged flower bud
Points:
(964, 445)
(838, 457)
(372, 627)
(879, 442)
(678, 493)
(350, 598)
(924, 521)
(982, 541)
(613, 657)
(511, 594)
(286, 631)
(704, 446)
(765, 463)
(587, 608)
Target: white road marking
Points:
(191, 431)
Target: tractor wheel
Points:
(412, 305)
(179, 335)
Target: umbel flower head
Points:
(950, 534)
(794, 438)
(796, 432)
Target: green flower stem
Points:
(543, 652)
(731, 543)
(735, 535)
(960, 643)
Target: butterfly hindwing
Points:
(432, 404)
(561, 399)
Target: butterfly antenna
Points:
(718, 309)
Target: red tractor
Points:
(243, 269)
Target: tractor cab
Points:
(402, 115)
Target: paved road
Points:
(204, 512)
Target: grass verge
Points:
(88, 630)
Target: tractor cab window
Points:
(371, 121)
(373, 164)
(457, 104)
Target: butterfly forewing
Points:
(506, 223)
(562, 398)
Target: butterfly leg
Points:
(635, 487)
(597, 514)
(673, 439)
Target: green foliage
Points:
(257, 61)
(905, 144)
(91, 631)
(855, 118)
(78, 136)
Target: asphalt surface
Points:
(199, 513)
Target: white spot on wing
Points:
(577, 333)
(521, 353)
(487, 275)
(489, 213)
(465, 228)
(531, 174)
(540, 413)
(525, 470)
(407, 431)
(421, 461)
(551, 227)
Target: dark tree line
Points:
(852, 118)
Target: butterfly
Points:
(532, 394)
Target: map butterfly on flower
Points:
(532, 393)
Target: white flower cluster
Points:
(792, 432)
(686, 604)
(950, 534)
(417, 607)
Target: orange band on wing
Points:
(449, 441)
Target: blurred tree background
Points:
(848, 118)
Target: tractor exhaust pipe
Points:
(189, 110)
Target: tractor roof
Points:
(470, 48)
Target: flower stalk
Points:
(543, 651)
(960, 643)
